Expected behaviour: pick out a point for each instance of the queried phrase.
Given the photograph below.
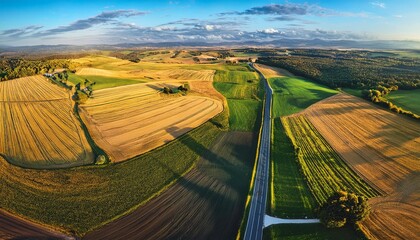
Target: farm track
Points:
(383, 148)
(130, 120)
(38, 129)
(196, 206)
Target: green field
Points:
(237, 91)
(406, 99)
(236, 76)
(101, 81)
(324, 170)
(243, 114)
(289, 194)
(310, 232)
(293, 94)
(243, 93)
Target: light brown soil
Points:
(130, 120)
(205, 88)
(384, 149)
(38, 128)
(270, 72)
(206, 203)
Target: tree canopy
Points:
(343, 208)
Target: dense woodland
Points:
(350, 69)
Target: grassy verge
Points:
(290, 197)
(293, 94)
(310, 232)
(323, 169)
(244, 221)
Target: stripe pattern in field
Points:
(325, 171)
(129, 120)
(38, 129)
(168, 74)
(383, 148)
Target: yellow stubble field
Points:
(384, 149)
(38, 129)
(129, 120)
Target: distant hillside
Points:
(286, 43)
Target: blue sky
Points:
(25, 22)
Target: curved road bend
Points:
(255, 223)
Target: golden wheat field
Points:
(170, 74)
(37, 127)
(384, 149)
(270, 72)
(129, 120)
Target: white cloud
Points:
(270, 31)
(209, 27)
(378, 4)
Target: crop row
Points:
(324, 170)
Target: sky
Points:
(26, 23)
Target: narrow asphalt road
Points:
(257, 219)
(255, 223)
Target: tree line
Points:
(17, 67)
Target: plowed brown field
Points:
(37, 127)
(130, 120)
(13, 227)
(384, 149)
(206, 203)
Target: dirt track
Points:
(384, 149)
(12, 227)
(206, 203)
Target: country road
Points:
(255, 223)
(257, 219)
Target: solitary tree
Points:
(343, 208)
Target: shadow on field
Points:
(205, 203)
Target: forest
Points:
(350, 69)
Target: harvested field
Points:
(383, 148)
(270, 72)
(169, 74)
(129, 120)
(205, 88)
(13, 227)
(206, 203)
(30, 89)
(38, 128)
